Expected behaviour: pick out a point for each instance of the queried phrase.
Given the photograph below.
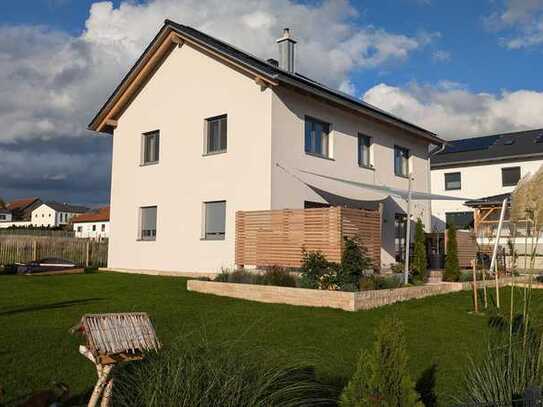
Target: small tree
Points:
(354, 262)
(452, 267)
(381, 377)
(420, 271)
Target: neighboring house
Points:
(21, 209)
(52, 214)
(200, 127)
(481, 168)
(5, 215)
(93, 224)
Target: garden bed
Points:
(347, 301)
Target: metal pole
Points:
(493, 266)
(408, 231)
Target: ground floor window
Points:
(148, 215)
(400, 233)
(214, 220)
(461, 220)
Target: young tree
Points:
(354, 262)
(452, 267)
(420, 271)
(381, 377)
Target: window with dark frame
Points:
(461, 220)
(317, 137)
(216, 135)
(364, 151)
(214, 220)
(80, 229)
(151, 147)
(94, 228)
(103, 227)
(453, 181)
(510, 176)
(148, 215)
(401, 161)
(400, 233)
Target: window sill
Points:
(214, 153)
(149, 163)
(367, 167)
(453, 189)
(401, 176)
(145, 240)
(212, 240)
(319, 156)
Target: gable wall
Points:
(188, 88)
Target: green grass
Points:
(36, 314)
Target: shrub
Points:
(397, 267)
(381, 377)
(354, 263)
(452, 268)
(237, 276)
(91, 269)
(374, 282)
(420, 264)
(215, 375)
(317, 272)
(278, 276)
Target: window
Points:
(214, 220)
(400, 232)
(461, 220)
(2, 217)
(94, 228)
(103, 227)
(313, 205)
(216, 135)
(510, 176)
(151, 147)
(453, 181)
(364, 151)
(401, 161)
(148, 223)
(317, 137)
(80, 229)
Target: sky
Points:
(460, 68)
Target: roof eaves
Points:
(453, 163)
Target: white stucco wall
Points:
(289, 111)
(478, 181)
(188, 88)
(6, 217)
(45, 216)
(87, 231)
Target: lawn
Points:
(36, 313)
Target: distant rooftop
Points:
(64, 207)
(97, 215)
(522, 144)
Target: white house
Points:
(52, 214)
(92, 225)
(5, 215)
(199, 130)
(481, 168)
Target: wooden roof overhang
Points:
(160, 47)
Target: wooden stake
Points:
(475, 299)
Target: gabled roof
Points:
(98, 215)
(64, 207)
(488, 201)
(506, 146)
(173, 33)
(21, 203)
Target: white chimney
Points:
(286, 51)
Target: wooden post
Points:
(34, 250)
(87, 253)
(475, 299)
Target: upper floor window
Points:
(364, 151)
(148, 222)
(103, 227)
(151, 147)
(94, 228)
(453, 181)
(214, 220)
(317, 137)
(401, 161)
(510, 176)
(80, 229)
(3, 217)
(215, 135)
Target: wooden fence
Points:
(277, 237)
(22, 249)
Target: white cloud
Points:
(441, 56)
(454, 112)
(522, 22)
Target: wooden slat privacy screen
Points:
(276, 237)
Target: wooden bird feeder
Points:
(112, 339)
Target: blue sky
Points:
(460, 68)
